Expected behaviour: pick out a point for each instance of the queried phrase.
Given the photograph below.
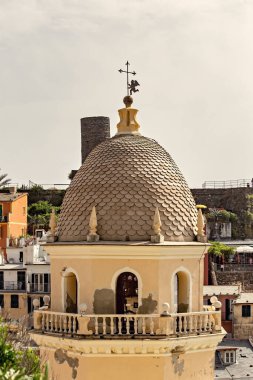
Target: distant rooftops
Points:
(7, 197)
(214, 290)
(244, 298)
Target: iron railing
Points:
(227, 184)
(12, 285)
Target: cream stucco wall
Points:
(242, 326)
(98, 266)
(192, 365)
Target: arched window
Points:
(70, 292)
(127, 293)
(181, 287)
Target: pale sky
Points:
(59, 62)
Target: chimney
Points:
(12, 189)
(94, 130)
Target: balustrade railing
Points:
(126, 325)
(12, 285)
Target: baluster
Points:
(135, 325)
(112, 325)
(43, 322)
(185, 324)
(60, 323)
(151, 326)
(51, 322)
(143, 325)
(74, 325)
(175, 319)
(190, 323)
(127, 325)
(120, 326)
(69, 324)
(96, 325)
(199, 323)
(56, 323)
(65, 323)
(202, 323)
(104, 325)
(195, 323)
(47, 322)
(205, 322)
(180, 325)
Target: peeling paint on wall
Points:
(148, 305)
(61, 356)
(178, 364)
(104, 301)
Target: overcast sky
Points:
(59, 61)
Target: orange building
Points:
(13, 217)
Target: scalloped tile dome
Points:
(126, 178)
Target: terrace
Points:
(127, 325)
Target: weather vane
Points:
(130, 86)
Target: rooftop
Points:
(7, 197)
(211, 290)
(243, 368)
(245, 298)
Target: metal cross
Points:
(131, 86)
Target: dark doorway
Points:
(71, 293)
(127, 294)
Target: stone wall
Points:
(234, 200)
(234, 278)
(94, 130)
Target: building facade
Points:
(13, 217)
(243, 316)
(25, 277)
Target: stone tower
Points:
(94, 130)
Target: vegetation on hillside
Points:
(220, 249)
(39, 215)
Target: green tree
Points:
(18, 361)
(220, 249)
(39, 214)
(3, 180)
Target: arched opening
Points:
(181, 292)
(71, 304)
(127, 293)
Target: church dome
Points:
(126, 178)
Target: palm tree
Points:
(3, 180)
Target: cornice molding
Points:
(126, 251)
(131, 347)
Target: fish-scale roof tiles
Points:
(126, 178)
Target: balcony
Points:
(39, 288)
(128, 325)
(12, 285)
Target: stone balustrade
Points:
(114, 325)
